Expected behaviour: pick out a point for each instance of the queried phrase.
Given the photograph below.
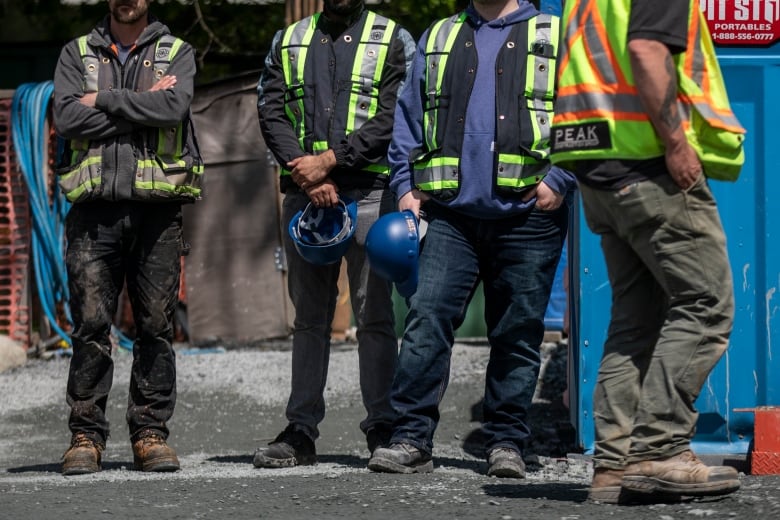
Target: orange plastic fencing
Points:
(15, 232)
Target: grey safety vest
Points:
(368, 64)
(163, 170)
(524, 108)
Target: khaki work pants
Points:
(672, 314)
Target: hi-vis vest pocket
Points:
(80, 179)
(436, 175)
(720, 150)
(165, 178)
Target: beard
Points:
(129, 11)
(343, 7)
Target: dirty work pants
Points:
(515, 258)
(110, 243)
(313, 290)
(672, 313)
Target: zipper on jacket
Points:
(132, 56)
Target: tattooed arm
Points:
(656, 80)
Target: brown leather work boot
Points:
(605, 486)
(152, 453)
(82, 457)
(683, 475)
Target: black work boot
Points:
(83, 456)
(290, 448)
(152, 453)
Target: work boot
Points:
(682, 475)
(504, 462)
(400, 458)
(152, 453)
(378, 436)
(290, 448)
(83, 456)
(605, 486)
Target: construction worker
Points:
(642, 118)
(470, 150)
(122, 98)
(325, 102)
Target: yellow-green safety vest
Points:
(599, 114)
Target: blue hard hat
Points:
(322, 235)
(392, 247)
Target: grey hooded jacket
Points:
(134, 144)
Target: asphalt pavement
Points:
(231, 402)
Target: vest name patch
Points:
(586, 136)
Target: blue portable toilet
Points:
(748, 374)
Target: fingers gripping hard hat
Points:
(322, 235)
(392, 247)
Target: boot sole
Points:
(620, 496)
(80, 470)
(506, 471)
(261, 461)
(388, 466)
(652, 485)
(605, 495)
(157, 466)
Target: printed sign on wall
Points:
(742, 22)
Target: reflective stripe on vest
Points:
(373, 46)
(295, 47)
(440, 42)
(367, 67)
(515, 171)
(599, 114)
(518, 171)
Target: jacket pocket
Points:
(82, 179)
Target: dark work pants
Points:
(110, 243)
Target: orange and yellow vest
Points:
(598, 112)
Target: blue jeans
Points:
(313, 290)
(515, 259)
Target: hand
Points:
(165, 83)
(324, 194)
(412, 200)
(684, 165)
(547, 199)
(309, 170)
(88, 99)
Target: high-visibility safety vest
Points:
(315, 130)
(525, 85)
(599, 114)
(164, 169)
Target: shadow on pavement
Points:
(473, 465)
(56, 468)
(563, 492)
(342, 460)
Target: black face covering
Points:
(344, 8)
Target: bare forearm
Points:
(655, 77)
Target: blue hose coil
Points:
(29, 109)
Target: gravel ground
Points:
(231, 402)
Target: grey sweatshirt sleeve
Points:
(72, 119)
(160, 108)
